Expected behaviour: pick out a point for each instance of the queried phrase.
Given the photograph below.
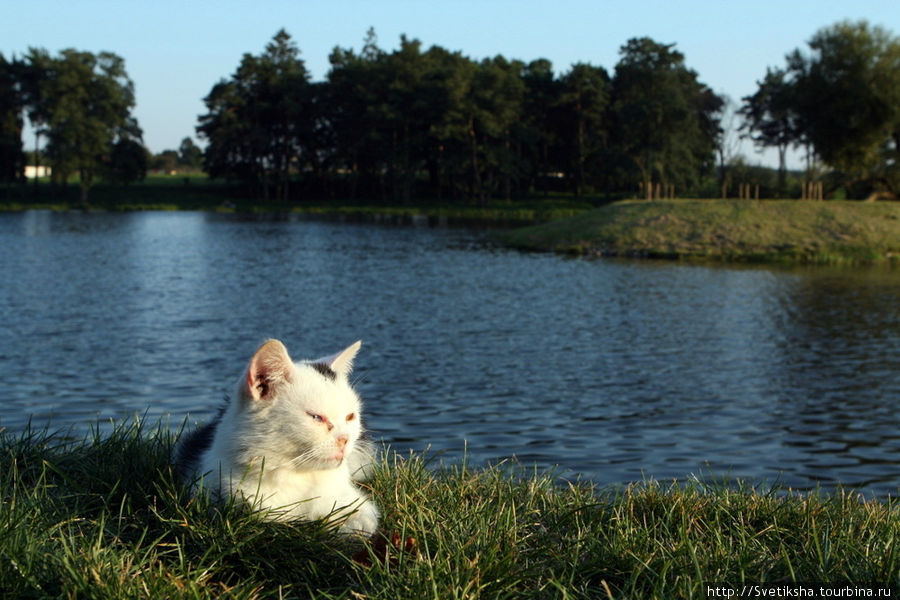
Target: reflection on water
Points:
(612, 370)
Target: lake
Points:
(616, 371)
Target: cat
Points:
(288, 442)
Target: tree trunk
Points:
(85, 179)
(37, 162)
(782, 169)
(84, 194)
(476, 176)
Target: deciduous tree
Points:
(190, 155)
(83, 102)
(846, 91)
(771, 119)
(665, 121)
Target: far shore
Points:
(766, 231)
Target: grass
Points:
(104, 518)
(727, 230)
(496, 211)
(198, 192)
(157, 192)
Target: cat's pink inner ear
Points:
(342, 362)
(270, 366)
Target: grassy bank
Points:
(730, 230)
(156, 192)
(197, 192)
(104, 519)
(500, 213)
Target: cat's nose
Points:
(341, 441)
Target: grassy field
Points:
(730, 230)
(104, 518)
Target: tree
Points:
(189, 155)
(127, 161)
(727, 142)
(665, 121)
(83, 102)
(12, 157)
(350, 98)
(770, 118)
(34, 73)
(491, 109)
(166, 161)
(847, 97)
(583, 98)
(541, 127)
(410, 104)
(259, 122)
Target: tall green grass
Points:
(105, 518)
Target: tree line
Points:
(432, 123)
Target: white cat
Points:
(288, 442)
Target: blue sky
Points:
(175, 51)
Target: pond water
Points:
(615, 371)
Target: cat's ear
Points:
(342, 362)
(269, 367)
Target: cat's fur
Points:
(288, 442)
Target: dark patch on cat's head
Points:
(325, 371)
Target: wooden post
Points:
(757, 191)
(724, 191)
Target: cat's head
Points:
(300, 414)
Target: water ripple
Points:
(613, 370)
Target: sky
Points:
(176, 51)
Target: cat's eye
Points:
(351, 416)
(315, 417)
